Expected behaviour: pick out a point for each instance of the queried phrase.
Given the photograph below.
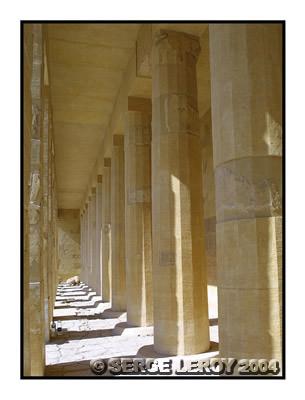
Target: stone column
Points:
(86, 247)
(106, 230)
(181, 324)
(82, 246)
(138, 213)
(118, 281)
(246, 83)
(53, 216)
(98, 233)
(45, 231)
(94, 266)
(90, 247)
(88, 256)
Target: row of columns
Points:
(90, 230)
(152, 217)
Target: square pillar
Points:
(98, 235)
(118, 277)
(94, 277)
(106, 230)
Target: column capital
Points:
(177, 41)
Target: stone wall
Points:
(27, 132)
(40, 204)
(68, 226)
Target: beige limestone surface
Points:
(138, 223)
(179, 273)
(91, 330)
(118, 271)
(93, 69)
(98, 235)
(246, 87)
(106, 231)
(40, 205)
(215, 190)
(86, 66)
(68, 244)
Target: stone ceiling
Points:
(86, 67)
(87, 63)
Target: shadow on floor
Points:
(68, 305)
(67, 336)
(82, 368)
(149, 351)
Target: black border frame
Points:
(283, 23)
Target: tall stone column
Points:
(53, 222)
(94, 266)
(106, 230)
(89, 241)
(98, 233)
(138, 213)
(90, 246)
(86, 250)
(82, 247)
(118, 281)
(45, 228)
(181, 324)
(246, 88)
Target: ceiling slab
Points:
(86, 63)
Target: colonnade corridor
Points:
(86, 328)
(152, 196)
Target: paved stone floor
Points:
(89, 329)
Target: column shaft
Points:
(181, 324)
(98, 233)
(94, 267)
(88, 265)
(138, 215)
(106, 231)
(246, 82)
(118, 281)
